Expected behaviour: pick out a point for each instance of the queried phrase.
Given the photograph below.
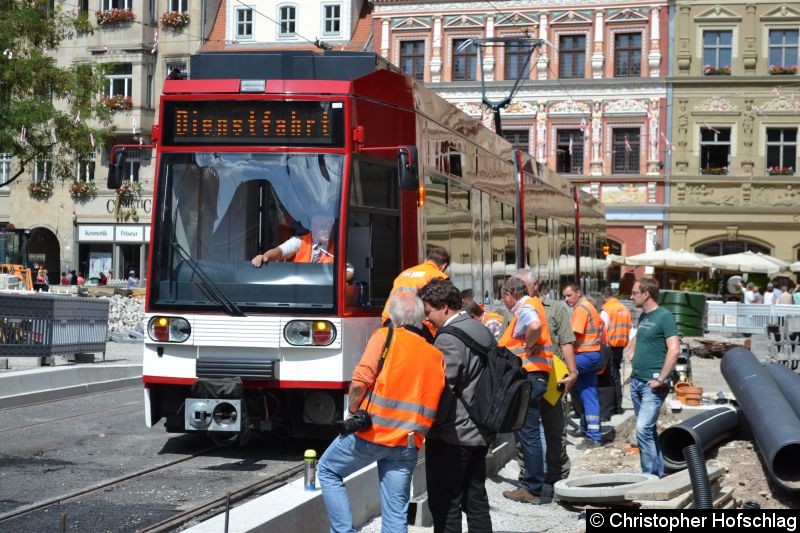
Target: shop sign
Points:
(130, 233)
(96, 233)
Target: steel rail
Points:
(69, 398)
(137, 402)
(103, 484)
(264, 485)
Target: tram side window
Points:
(373, 232)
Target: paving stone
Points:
(669, 487)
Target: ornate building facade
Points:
(733, 183)
(591, 102)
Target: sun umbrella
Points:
(795, 267)
(749, 262)
(669, 259)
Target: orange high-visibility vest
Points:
(305, 253)
(406, 394)
(413, 278)
(491, 316)
(588, 327)
(620, 328)
(542, 361)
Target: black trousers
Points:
(456, 477)
(615, 366)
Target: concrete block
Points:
(81, 358)
(3, 363)
(681, 501)
(668, 487)
(419, 514)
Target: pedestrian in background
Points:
(399, 383)
(553, 416)
(455, 450)
(528, 336)
(617, 319)
(654, 351)
(412, 279)
(588, 328)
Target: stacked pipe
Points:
(770, 400)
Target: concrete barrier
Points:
(47, 384)
(290, 508)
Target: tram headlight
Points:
(169, 329)
(309, 333)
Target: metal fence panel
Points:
(44, 325)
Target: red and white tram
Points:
(255, 145)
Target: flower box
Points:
(41, 190)
(710, 70)
(714, 171)
(780, 171)
(129, 190)
(115, 17)
(779, 70)
(175, 20)
(83, 190)
(118, 102)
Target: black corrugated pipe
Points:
(701, 488)
(706, 429)
(775, 425)
(789, 384)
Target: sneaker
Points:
(522, 495)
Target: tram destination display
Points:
(253, 122)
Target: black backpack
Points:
(500, 403)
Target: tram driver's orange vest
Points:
(620, 328)
(413, 278)
(406, 394)
(587, 319)
(542, 361)
(305, 253)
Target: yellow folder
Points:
(559, 372)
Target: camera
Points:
(359, 421)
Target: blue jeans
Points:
(347, 454)
(530, 436)
(646, 406)
(588, 363)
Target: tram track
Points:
(75, 397)
(54, 420)
(213, 506)
(98, 486)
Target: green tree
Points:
(47, 111)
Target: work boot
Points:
(522, 495)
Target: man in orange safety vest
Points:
(617, 319)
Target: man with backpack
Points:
(456, 446)
(528, 336)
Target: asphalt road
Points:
(55, 448)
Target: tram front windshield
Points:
(216, 211)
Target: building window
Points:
(119, 82)
(331, 19)
(569, 151)
(116, 4)
(783, 51)
(179, 5)
(5, 170)
(151, 7)
(572, 56)
(244, 23)
(781, 150)
(721, 247)
(625, 150)
(465, 61)
(83, 7)
(715, 149)
(287, 18)
(717, 52)
(176, 70)
(516, 55)
(627, 55)
(149, 97)
(520, 139)
(43, 170)
(412, 59)
(85, 169)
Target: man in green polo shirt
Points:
(655, 350)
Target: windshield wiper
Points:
(206, 283)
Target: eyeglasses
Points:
(637, 293)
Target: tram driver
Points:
(312, 247)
